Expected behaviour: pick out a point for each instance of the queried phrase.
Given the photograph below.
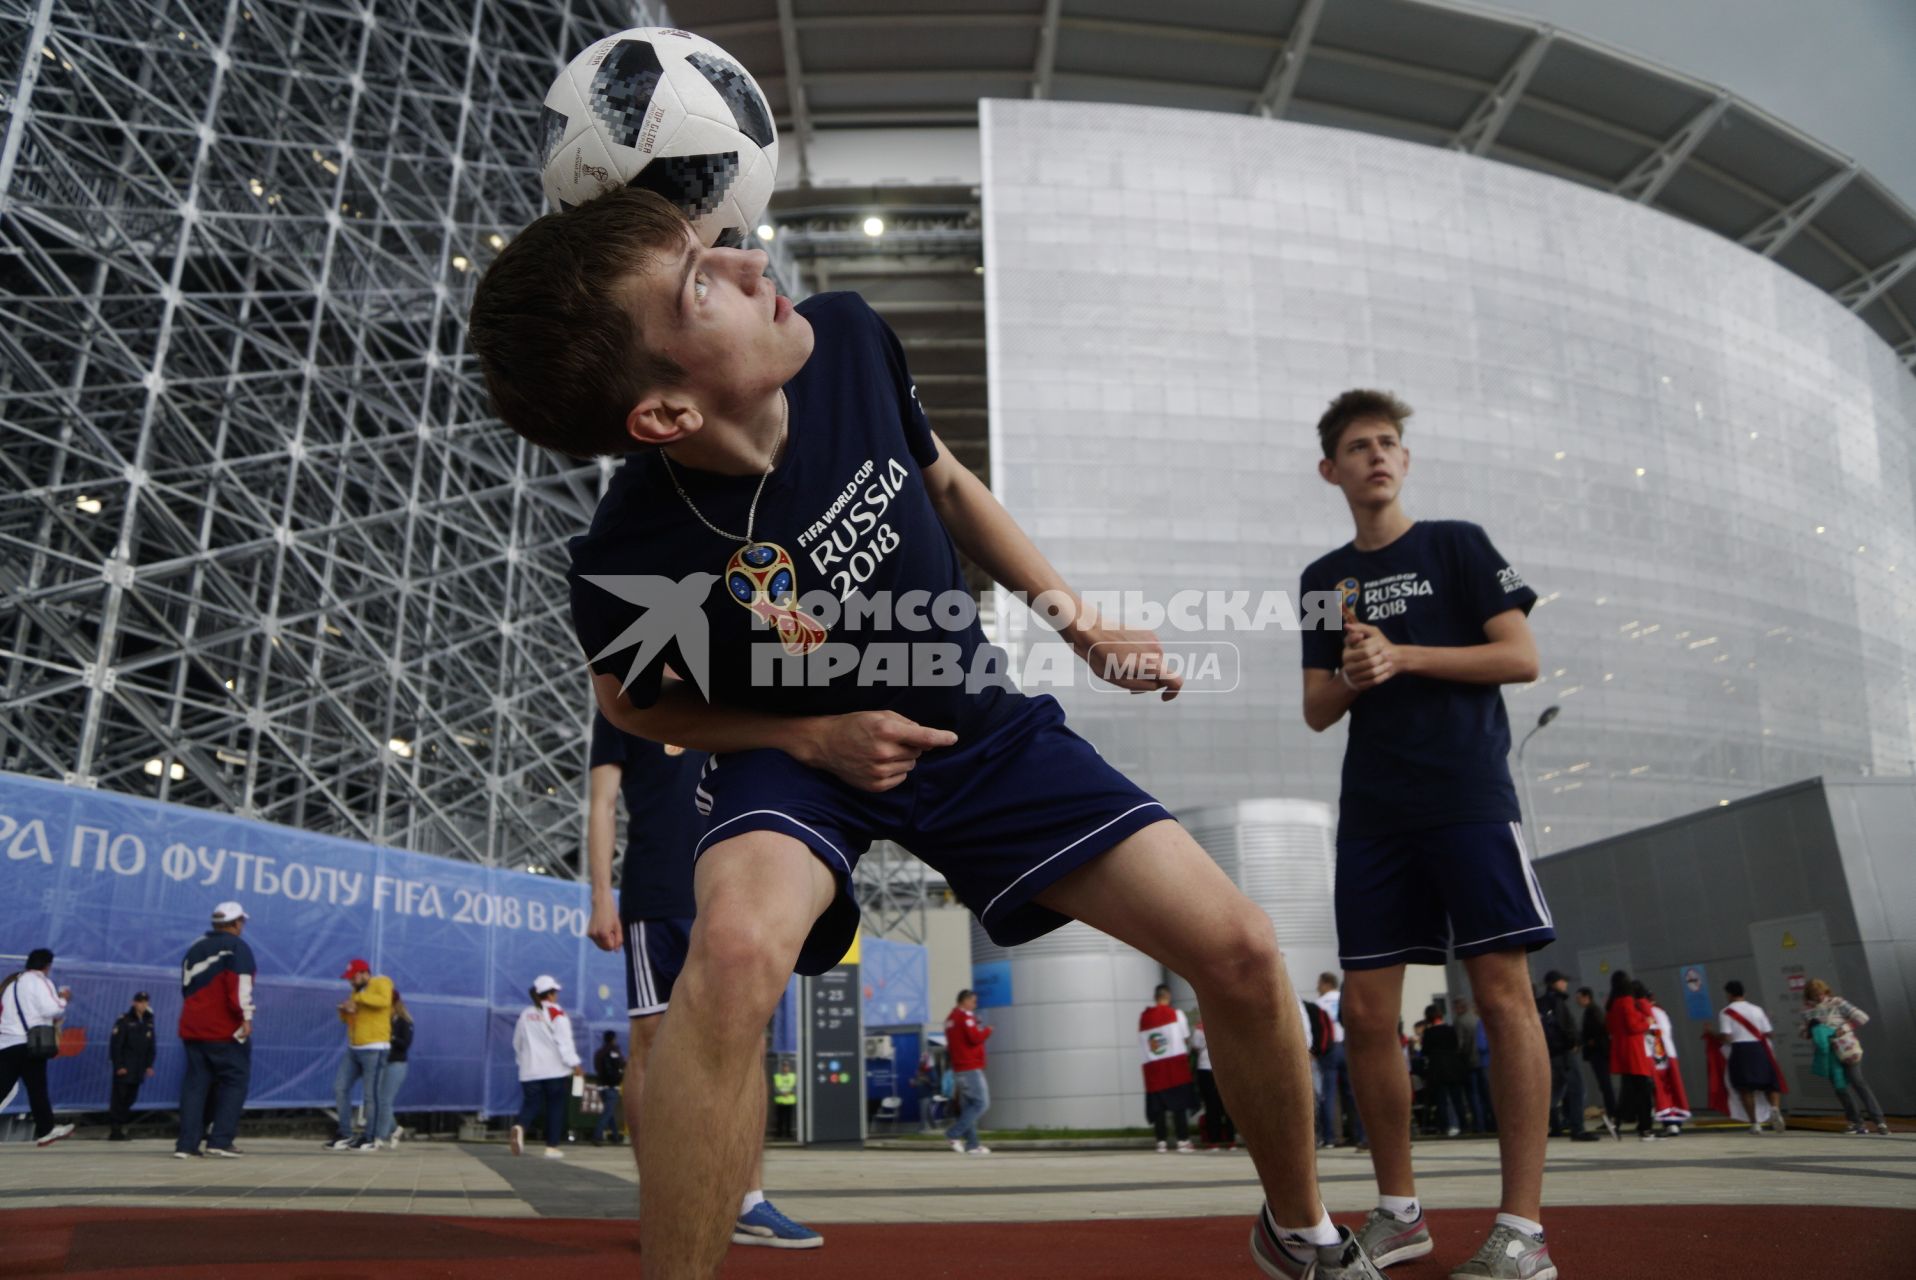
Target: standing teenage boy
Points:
(1430, 857)
(779, 455)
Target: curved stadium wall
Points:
(1702, 463)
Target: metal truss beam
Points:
(1274, 99)
(795, 90)
(1655, 170)
(256, 521)
(1480, 131)
(1872, 284)
(1774, 232)
(1047, 49)
(892, 891)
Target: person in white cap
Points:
(542, 1042)
(216, 1030)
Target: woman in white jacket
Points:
(542, 1042)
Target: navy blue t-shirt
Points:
(1422, 752)
(848, 507)
(662, 822)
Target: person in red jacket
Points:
(1628, 1021)
(216, 1030)
(965, 1040)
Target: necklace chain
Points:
(751, 514)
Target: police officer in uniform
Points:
(131, 1051)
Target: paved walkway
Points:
(936, 1185)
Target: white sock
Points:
(1299, 1241)
(1532, 1229)
(753, 1199)
(1402, 1208)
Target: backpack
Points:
(1553, 1034)
(1319, 1029)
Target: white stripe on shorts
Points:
(1529, 876)
(699, 848)
(701, 798)
(1149, 804)
(644, 983)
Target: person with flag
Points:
(1672, 1100)
(1164, 1036)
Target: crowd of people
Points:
(215, 1033)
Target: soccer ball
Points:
(668, 111)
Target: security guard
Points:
(785, 1096)
(131, 1051)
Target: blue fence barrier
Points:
(119, 887)
(896, 977)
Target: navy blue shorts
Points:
(1002, 816)
(1416, 896)
(1750, 1070)
(654, 955)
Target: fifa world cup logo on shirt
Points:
(760, 576)
(1348, 592)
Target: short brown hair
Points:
(558, 345)
(1355, 406)
(1815, 991)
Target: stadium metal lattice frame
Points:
(265, 550)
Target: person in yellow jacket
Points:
(785, 1096)
(368, 1015)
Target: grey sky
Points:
(1842, 71)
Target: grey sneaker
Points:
(1387, 1239)
(1509, 1254)
(1344, 1260)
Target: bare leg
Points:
(764, 1104)
(1519, 1075)
(1379, 1078)
(758, 895)
(1161, 893)
(638, 1047)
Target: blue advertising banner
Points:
(1696, 993)
(992, 981)
(119, 887)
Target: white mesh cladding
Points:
(1286, 851)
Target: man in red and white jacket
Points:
(216, 1030)
(965, 1040)
(1164, 1037)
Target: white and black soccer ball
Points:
(671, 112)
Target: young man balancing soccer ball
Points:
(1430, 856)
(776, 451)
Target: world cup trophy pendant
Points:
(760, 577)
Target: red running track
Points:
(1613, 1242)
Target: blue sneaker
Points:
(765, 1225)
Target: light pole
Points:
(1549, 714)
